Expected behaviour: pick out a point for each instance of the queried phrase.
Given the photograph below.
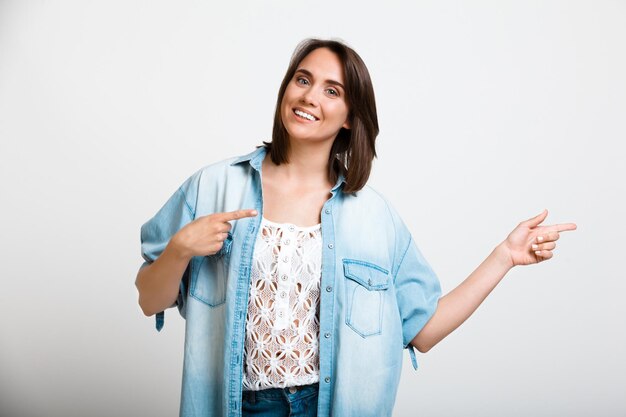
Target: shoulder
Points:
(375, 202)
(373, 227)
(371, 208)
(219, 167)
(235, 164)
(232, 172)
(231, 166)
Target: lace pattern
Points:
(282, 323)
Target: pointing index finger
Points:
(561, 227)
(238, 214)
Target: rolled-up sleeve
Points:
(157, 232)
(417, 291)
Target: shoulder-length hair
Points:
(353, 149)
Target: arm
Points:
(456, 306)
(528, 243)
(158, 282)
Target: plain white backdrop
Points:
(490, 111)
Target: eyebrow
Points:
(308, 73)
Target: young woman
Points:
(300, 284)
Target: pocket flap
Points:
(367, 274)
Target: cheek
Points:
(288, 99)
(341, 111)
(290, 92)
(284, 107)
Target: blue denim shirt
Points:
(377, 292)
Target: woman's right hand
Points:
(205, 235)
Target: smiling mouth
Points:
(304, 115)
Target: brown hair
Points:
(353, 149)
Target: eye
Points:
(332, 92)
(302, 81)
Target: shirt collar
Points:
(340, 180)
(256, 159)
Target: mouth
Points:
(304, 115)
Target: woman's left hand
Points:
(530, 243)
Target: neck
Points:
(308, 163)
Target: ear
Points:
(346, 124)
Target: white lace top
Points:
(282, 324)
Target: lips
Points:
(305, 115)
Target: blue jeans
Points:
(274, 402)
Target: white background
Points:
(490, 111)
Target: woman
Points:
(301, 285)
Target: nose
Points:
(309, 97)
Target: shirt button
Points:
(327, 335)
(329, 288)
(285, 259)
(293, 390)
(281, 314)
(284, 277)
(292, 228)
(287, 241)
(283, 294)
(327, 379)
(327, 211)
(330, 246)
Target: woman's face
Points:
(314, 106)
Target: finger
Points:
(533, 222)
(561, 227)
(237, 214)
(548, 237)
(543, 246)
(222, 236)
(216, 247)
(223, 227)
(543, 255)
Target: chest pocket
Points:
(208, 276)
(365, 288)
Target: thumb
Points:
(535, 221)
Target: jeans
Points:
(294, 401)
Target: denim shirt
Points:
(377, 292)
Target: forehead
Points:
(323, 63)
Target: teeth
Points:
(305, 115)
